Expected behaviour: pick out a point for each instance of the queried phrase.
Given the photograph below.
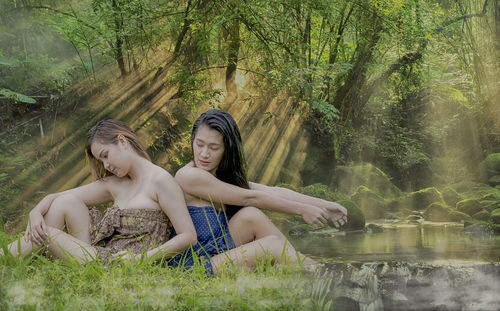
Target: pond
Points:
(427, 241)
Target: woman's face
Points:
(113, 157)
(208, 149)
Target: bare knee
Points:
(66, 200)
(251, 214)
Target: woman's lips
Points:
(204, 163)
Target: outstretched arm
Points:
(337, 214)
(93, 193)
(202, 184)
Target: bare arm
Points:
(202, 184)
(171, 201)
(93, 193)
(337, 214)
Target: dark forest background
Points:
(411, 86)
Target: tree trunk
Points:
(232, 56)
(118, 38)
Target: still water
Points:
(427, 241)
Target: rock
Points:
(438, 212)
(450, 196)
(459, 216)
(481, 215)
(490, 197)
(479, 228)
(490, 205)
(495, 216)
(398, 286)
(494, 180)
(371, 203)
(421, 199)
(349, 178)
(414, 217)
(373, 228)
(465, 186)
(469, 206)
(345, 304)
(490, 166)
(298, 231)
(355, 217)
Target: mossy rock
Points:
(495, 216)
(478, 227)
(481, 191)
(469, 206)
(371, 203)
(494, 180)
(490, 205)
(482, 215)
(450, 196)
(490, 166)
(465, 186)
(438, 212)
(421, 199)
(349, 178)
(355, 216)
(459, 216)
(323, 192)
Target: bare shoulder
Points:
(160, 175)
(189, 174)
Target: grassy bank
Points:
(37, 283)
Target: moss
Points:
(371, 203)
(450, 196)
(459, 216)
(490, 205)
(438, 212)
(322, 191)
(421, 199)
(465, 186)
(469, 206)
(492, 162)
(495, 216)
(482, 215)
(355, 216)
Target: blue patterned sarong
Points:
(213, 238)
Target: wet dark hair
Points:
(106, 131)
(232, 167)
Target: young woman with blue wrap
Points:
(225, 207)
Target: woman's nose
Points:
(204, 152)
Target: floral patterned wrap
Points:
(130, 229)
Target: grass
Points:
(38, 283)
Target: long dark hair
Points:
(106, 132)
(232, 167)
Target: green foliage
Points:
(17, 97)
(421, 199)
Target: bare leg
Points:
(250, 224)
(60, 245)
(66, 211)
(70, 212)
(249, 254)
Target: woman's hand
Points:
(315, 216)
(36, 230)
(336, 213)
(126, 256)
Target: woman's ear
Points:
(122, 141)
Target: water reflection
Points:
(419, 242)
